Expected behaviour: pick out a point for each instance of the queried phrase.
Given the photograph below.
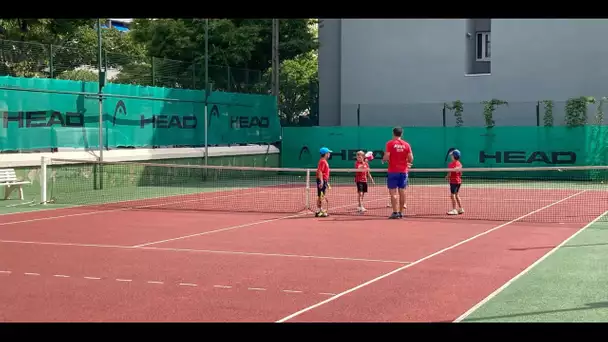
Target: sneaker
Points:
(324, 214)
(400, 215)
(362, 209)
(394, 216)
(461, 211)
(453, 212)
(318, 214)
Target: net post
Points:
(307, 189)
(43, 164)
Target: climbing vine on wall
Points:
(489, 108)
(576, 110)
(599, 113)
(458, 108)
(548, 115)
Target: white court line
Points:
(186, 250)
(270, 254)
(31, 274)
(284, 319)
(522, 273)
(125, 209)
(245, 225)
(222, 286)
(256, 289)
(92, 278)
(155, 282)
(187, 284)
(125, 280)
(292, 291)
(5, 272)
(61, 276)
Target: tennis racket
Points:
(322, 198)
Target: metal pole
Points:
(206, 90)
(99, 43)
(99, 57)
(275, 58)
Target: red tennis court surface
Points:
(80, 264)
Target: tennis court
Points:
(173, 243)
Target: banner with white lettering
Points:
(50, 113)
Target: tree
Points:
(45, 31)
(298, 79)
(49, 47)
(295, 38)
(243, 44)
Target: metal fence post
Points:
(51, 62)
(229, 78)
(153, 72)
(193, 75)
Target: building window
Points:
(483, 46)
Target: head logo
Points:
(304, 154)
(526, 157)
(215, 111)
(119, 109)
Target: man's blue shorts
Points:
(396, 180)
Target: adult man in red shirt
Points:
(400, 157)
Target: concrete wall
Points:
(401, 71)
(330, 37)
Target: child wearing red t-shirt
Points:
(455, 179)
(322, 181)
(361, 178)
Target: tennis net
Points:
(531, 194)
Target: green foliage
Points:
(576, 110)
(297, 77)
(599, 114)
(79, 75)
(74, 49)
(488, 110)
(548, 115)
(458, 108)
(45, 31)
(83, 49)
(238, 49)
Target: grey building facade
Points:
(402, 71)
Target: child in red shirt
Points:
(361, 178)
(322, 181)
(455, 179)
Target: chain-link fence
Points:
(31, 59)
